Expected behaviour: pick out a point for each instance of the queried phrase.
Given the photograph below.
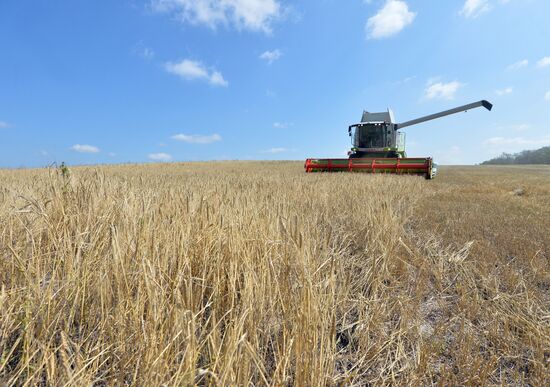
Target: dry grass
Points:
(256, 273)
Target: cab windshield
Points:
(369, 136)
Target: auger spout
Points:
(486, 104)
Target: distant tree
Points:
(538, 156)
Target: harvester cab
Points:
(379, 147)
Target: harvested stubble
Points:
(254, 273)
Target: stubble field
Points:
(237, 273)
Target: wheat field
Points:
(255, 273)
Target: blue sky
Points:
(87, 81)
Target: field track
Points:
(236, 273)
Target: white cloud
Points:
(275, 150)
(145, 52)
(442, 90)
(390, 19)
(216, 79)
(282, 125)
(253, 15)
(191, 70)
(505, 91)
(159, 156)
(85, 148)
(518, 65)
(404, 80)
(4, 125)
(197, 139)
(544, 62)
(547, 96)
(474, 8)
(112, 154)
(271, 56)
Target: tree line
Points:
(538, 156)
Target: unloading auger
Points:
(379, 147)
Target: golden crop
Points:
(237, 273)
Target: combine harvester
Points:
(379, 146)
